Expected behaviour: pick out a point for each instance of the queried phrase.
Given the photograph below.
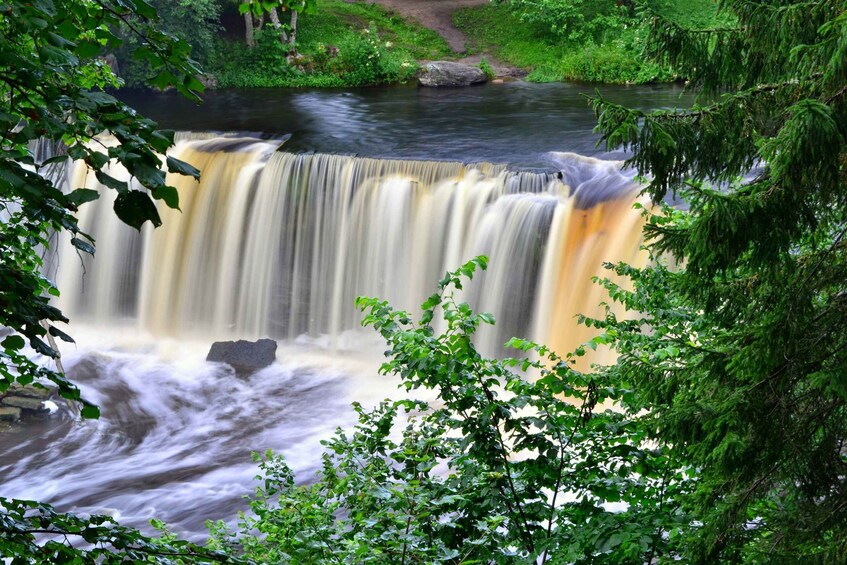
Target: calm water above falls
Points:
(276, 243)
(515, 123)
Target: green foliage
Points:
(366, 60)
(575, 21)
(52, 93)
(360, 58)
(418, 41)
(485, 67)
(195, 22)
(614, 56)
(332, 50)
(498, 469)
(104, 541)
(265, 65)
(744, 369)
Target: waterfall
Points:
(270, 243)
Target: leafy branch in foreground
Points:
(32, 532)
(52, 92)
(499, 468)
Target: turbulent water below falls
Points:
(278, 244)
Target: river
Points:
(376, 191)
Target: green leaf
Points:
(181, 167)
(111, 182)
(54, 331)
(82, 195)
(487, 318)
(431, 302)
(90, 412)
(13, 342)
(82, 245)
(135, 207)
(168, 194)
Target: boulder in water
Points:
(9, 414)
(448, 73)
(244, 356)
(25, 403)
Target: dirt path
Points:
(434, 14)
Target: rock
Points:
(209, 82)
(30, 391)
(244, 356)
(497, 81)
(24, 403)
(9, 414)
(448, 73)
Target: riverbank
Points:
(371, 42)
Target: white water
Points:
(276, 244)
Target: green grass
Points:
(374, 46)
(335, 18)
(496, 30)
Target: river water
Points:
(376, 191)
(516, 123)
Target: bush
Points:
(264, 65)
(486, 68)
(499, 469)
(367, 60)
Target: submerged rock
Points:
(244, 356)
(30, 391)
(448, 73)
(9, 414)
(24, 403)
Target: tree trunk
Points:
(293, 35)
(248, 29)
(283, 37)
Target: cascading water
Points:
(276, 244)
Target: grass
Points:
(335, 18)
(342, 44)
(496, 30)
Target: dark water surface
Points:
(515, 123)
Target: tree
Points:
(196, 22)
(257, 9)
(52, 83)
(744, 370)
(51, 90)
(575, 21)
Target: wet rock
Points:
(24, 403)
(30, 391)
(9, 414)
(448, 73)
(244, 356)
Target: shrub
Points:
(486, 68)
(499, 469)
(368, 60)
